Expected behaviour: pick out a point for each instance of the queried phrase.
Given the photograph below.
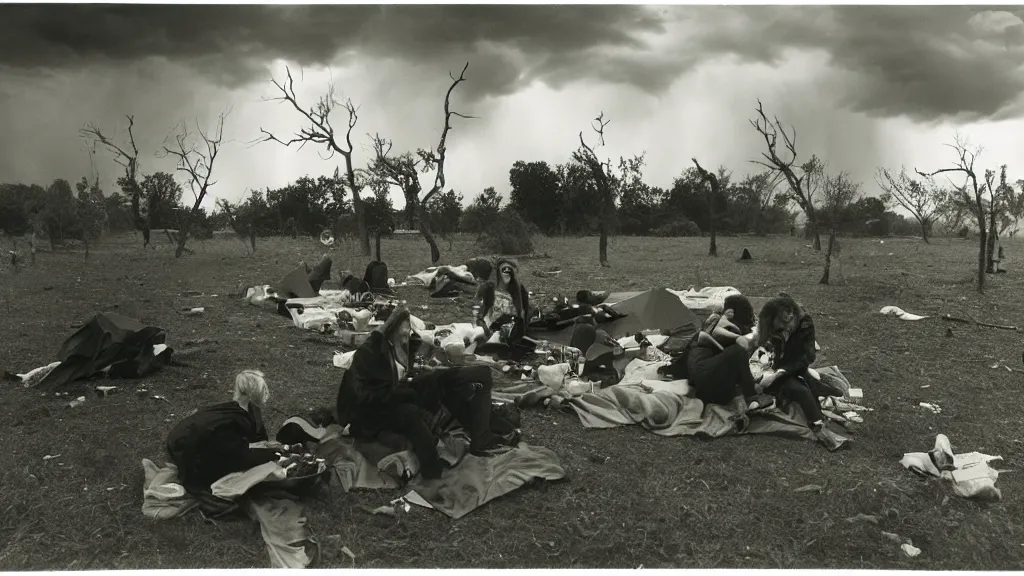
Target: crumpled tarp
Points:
(121, 346)
(282, 521)
(476, 481)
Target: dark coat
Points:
(797, 354)
(371, 384)
(214, 442)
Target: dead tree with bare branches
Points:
(402, 171)
(320, 131)
(713, 185)
(604, 181)
(964, 164)
(921, 199)
(770, 131)
(127, 156)
(196, 161)
(840, 191)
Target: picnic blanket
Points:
(470, 483)
(290, 542)
(665, 408)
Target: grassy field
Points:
(631, 498)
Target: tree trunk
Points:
(364, 234)
(32, 247)
(376, 238)
(145, 235)
(982, 252)
(602, 245)
(410, 216)
(435, 253)
(924, 230)
(990, 241)
(828, 257)
(85, 240)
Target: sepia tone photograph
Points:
(511, 286)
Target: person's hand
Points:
(725, 322)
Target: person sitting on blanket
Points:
(215, 441)
(788, 330)
(505, 300)
(377, 394)
(716, 360)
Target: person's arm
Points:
(486, 294)
(800, 349)
(525, 297)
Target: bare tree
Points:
(321, 131)
(197, 162)
(402, 171)
(604, 181)
(770, 131)
(244, 228)
(966, 158)
(1005, 208)
(763, 186)
(714, 190)
(839, 192)
(127, 156)
(921, 199)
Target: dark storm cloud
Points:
(924, 62)
(927, 62)
(232, 44)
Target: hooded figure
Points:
(505, 296)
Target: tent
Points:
(121, 346)
(656, 309)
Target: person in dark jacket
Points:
(788, 330)
(215, 441)
(718, 360)
(377, 394)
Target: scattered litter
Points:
(910, 550)
(77, 402)
(900, 313)
(861, 517)
(195, 311)
(853, 417)
(933, 407)
(49, 457)
(926, 386)
(810, 488)
(994, 366)
(103, 391)
(856, 395)
(894, 537)
(970, 473)
(159, 397)
(347, 552)
(384, 510)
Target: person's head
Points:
(742, 312)
(778, 318)
(398, 327)
(507, 270)
(251, 388)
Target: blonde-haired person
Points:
(214, 441)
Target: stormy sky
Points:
(864, 86)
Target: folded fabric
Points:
(237, 483)
(162, 495)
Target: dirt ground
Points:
(631, 498)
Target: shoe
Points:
(760, 402)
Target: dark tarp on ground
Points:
(656, 309)
(109, 339)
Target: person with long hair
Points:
(716, 362)
(377, 394)
(788, 330)
(215, 441)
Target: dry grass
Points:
(656, 502)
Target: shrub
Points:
(509, 235)
(677, 228)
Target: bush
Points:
(677, 228)
(509, 235)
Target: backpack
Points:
(376, 277)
